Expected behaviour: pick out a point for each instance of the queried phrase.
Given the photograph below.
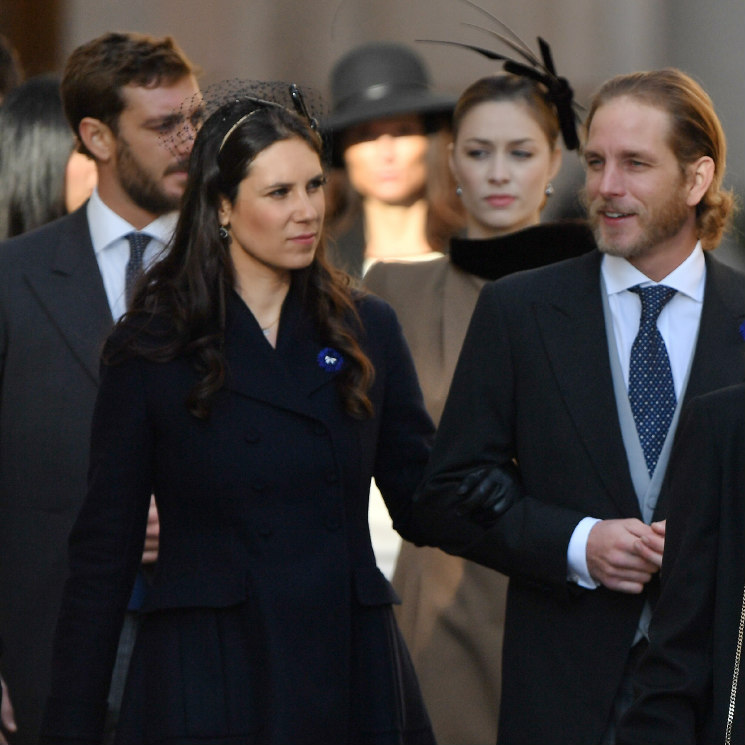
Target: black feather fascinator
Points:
(538, 68)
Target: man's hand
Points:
(624, 554)
(7, 717)
(651, 545)
(152, 535)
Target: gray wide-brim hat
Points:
(379, 80)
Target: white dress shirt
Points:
(678, 324)
(108, 231)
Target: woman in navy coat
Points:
(255, 394)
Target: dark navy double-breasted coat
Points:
(267, 620)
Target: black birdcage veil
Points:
(234, 100)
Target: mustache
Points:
(594, 207)
(177, 167)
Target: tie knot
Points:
(653, 299)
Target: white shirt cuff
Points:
(577, 554)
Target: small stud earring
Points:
(459, 191)
(549, 189)
(222, 231)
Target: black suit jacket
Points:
(54, 317)
(534, 383)
(264, 504)
(685, 679)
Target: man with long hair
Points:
(577, 372)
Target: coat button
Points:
(331, 477)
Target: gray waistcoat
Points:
(647, 489)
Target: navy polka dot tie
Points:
(137, 245)
(651, 389)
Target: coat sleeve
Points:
(105, 550)
(478, 429)
(675, 677)
(405, 429)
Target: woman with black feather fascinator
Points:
(504, 155)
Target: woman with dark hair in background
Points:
(255, 394)
(391, 193)
(504, 155)
(42, 176)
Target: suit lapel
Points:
(71, 291)
(572, 328)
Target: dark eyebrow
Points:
(512, 143)
(289, 184)
(161, 121)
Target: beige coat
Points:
(452, 611)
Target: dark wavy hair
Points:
(188, 288)
(35, 145)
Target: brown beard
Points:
(139, 185)
(664, 223)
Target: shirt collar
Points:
(687, 278)
(107, 227)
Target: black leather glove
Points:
(488, 492)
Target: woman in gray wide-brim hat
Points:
(391, 196)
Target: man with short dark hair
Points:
(577, 372)
(61, 288)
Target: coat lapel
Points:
(71, 291)
(572, 328)
(284, 377)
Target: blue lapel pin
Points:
(330, 360)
